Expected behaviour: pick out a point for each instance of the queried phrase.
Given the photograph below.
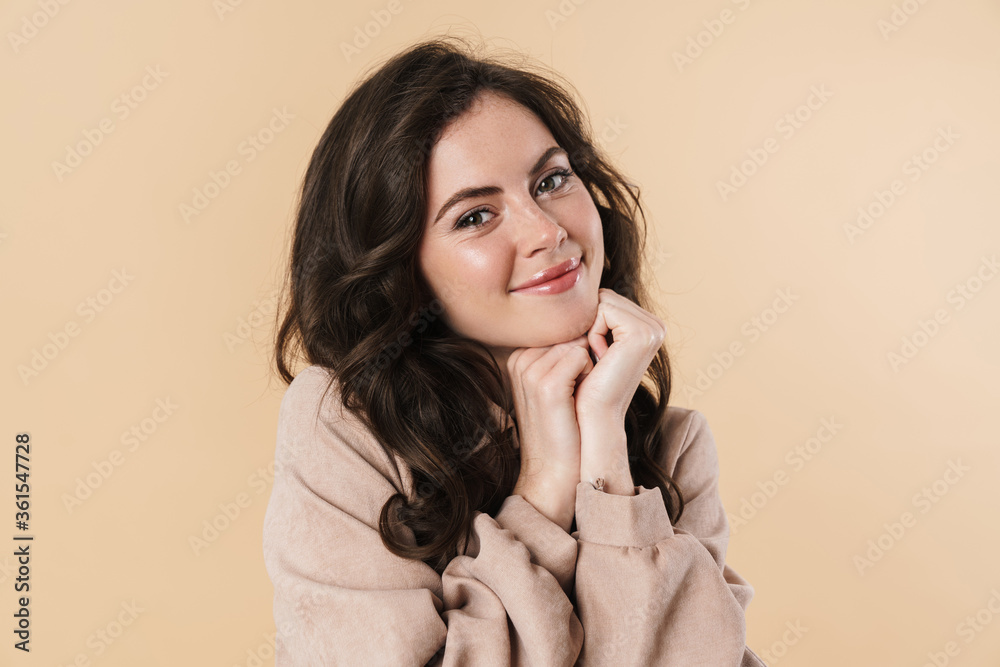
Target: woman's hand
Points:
(603, 396)
(543, 380)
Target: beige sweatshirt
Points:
(626, 588)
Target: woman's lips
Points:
(555, 286)
(550, 273)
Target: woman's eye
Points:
(472, 216)
(562, 175)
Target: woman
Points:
(470, 472)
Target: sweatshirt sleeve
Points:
(342, 598)
(651, 593)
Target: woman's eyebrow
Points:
(486, 190)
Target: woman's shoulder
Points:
(688, 442)
(313, 391)
(309, 378)
(677, 415)
(318, 432)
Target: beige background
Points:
(188, 320)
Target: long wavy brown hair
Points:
(356, 303)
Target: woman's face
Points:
(526, 218)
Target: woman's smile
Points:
(561, 281)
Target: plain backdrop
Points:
(820, 181)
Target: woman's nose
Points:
(537, 229)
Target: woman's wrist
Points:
(556, 501)
(604, 456)
(619, 486)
